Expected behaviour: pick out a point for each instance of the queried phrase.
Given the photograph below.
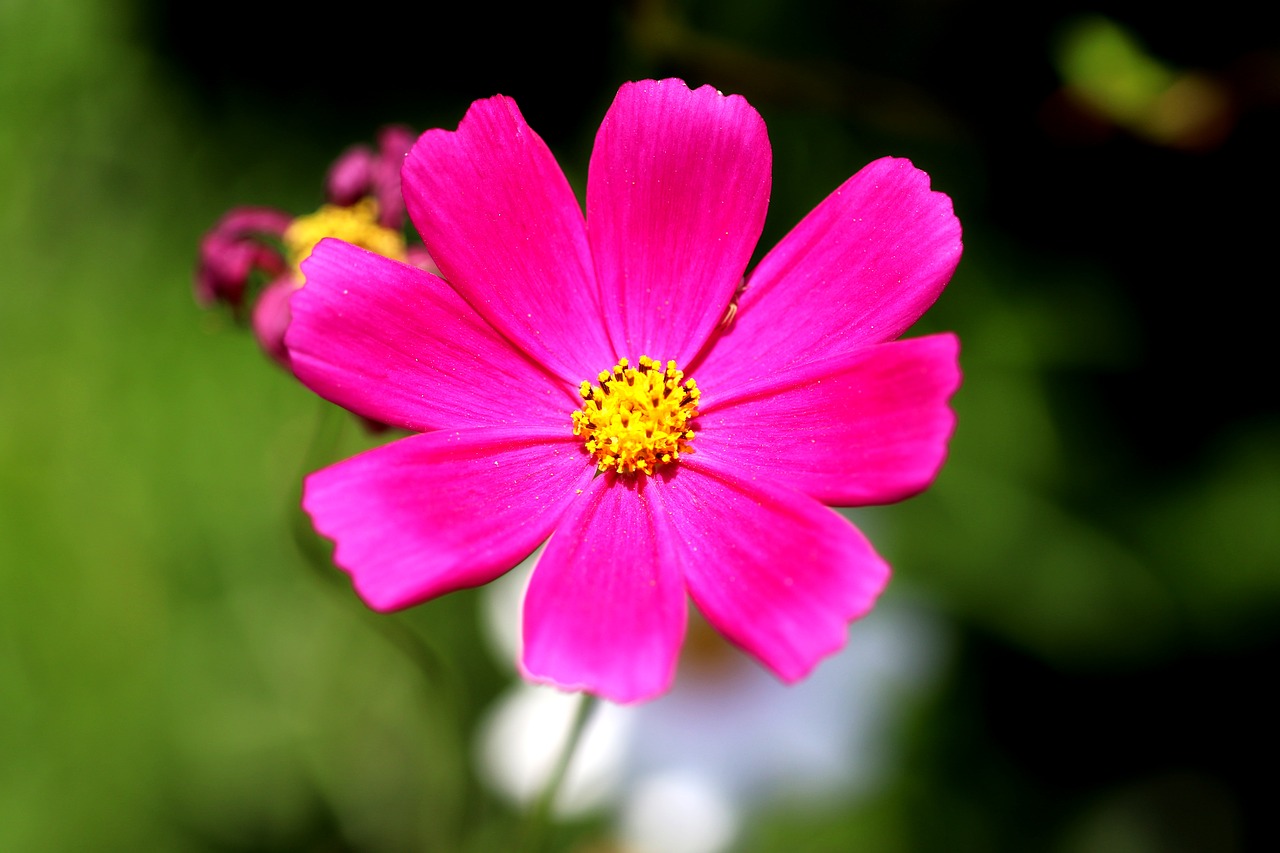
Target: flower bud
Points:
(361, 172)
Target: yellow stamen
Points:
(637, 418)
(357, 224)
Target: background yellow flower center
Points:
(637, 418)
(357, 224)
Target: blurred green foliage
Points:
(1103, 542)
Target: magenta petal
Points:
(605, 608)
(868, 427)
(433, 513)
(859, 269)
(676, 199)
(775, 571)
(501, 221)
(395, 344)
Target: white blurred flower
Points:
(677, 812)
(523, 736)
(685, 770)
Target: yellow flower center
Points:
(357, 224)
(637, 418)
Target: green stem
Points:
(320, 452)
(539, 818)
(443, 681)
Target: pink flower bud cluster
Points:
(361, 172)
(243, 262)
(244, 245)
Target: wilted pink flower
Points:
(361, 172)
(245, 242)
(356, 224)
(544, 419)
(251, 247)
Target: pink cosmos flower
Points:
(552, 379)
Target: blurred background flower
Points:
(1101, 552)
(249, 261)
(685, 773)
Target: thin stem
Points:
(442, 680)
(324, 443)
(539, 819)
(320, 452)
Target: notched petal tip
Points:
(918, 181)
(677, 83)
(677, 195)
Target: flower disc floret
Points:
(637, 418)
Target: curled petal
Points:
(865, 428)
(676, 199)
(245, 242)
(776, 572)
(433, 513)
(605, 609)
(395, 344)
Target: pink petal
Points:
(775, 571)
(433, 513)
(676, 199)
(501, 221)
(868, 427)
(605, 608)
(859, 269)
(270, 317)
(395, 344)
